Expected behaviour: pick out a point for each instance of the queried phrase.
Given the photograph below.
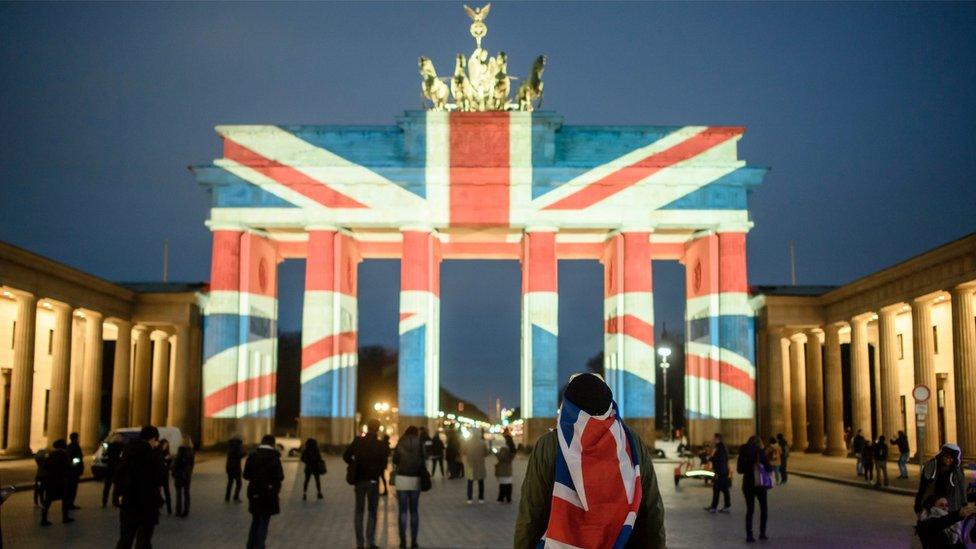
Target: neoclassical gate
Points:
(475, 183)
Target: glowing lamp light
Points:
(665, 352)
(7, 294)
(381, 407)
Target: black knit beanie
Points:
(590, 393)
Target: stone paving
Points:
(805, 513)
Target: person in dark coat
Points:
(901, 441)
(235, 453)
(55, 480)
(943, 476)
(436, 454)
(112, 454)
(937, 526)
(182, 473)
(867, 460)
(39, 458)
(367, 456)
(410, 465)
(509, 440)
(751, 454)
(385, 439)
(167, 456)
(452, 454)
(722, 480)
(264, 474)
(314, 466)
(138, 481)
(857, 447)
(881, 460)
(784, 454)
(77, 460)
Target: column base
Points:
(535, 427)
(330, 432)
(836, 452)
(644, 428)
(813, 450)
(702, 430)
(736, 432)
(215, 432)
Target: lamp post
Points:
(665, 352)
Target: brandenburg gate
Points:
(482, 177)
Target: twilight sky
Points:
(865, 112)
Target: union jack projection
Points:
(503, 185)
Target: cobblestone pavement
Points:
(805, 513)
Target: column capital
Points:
(835, 327)
(17, 295)
(120, 323)
(796, 335)
(815, 334)
(861, 319)
(964, 288)
(738, 227)
(926, 300)
(224, 226)
(321, 227)
(891, 310)
(88, 314)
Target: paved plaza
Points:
(802, 514)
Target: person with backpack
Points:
(235, 453)
(881, 461)
(54, 482)
(366, 457)
(314, 466)
(182, 473)
(753, 466)
(784, 454)
(264, 474)
(138, 482)
(409, 468)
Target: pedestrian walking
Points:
(938, 527)
(164, 453)
(314, 466)
(848, 435)
(857, 448)
(901, 441)
(112, 454)
(77, 461)
(410, 467)
(138, 481)
(182, 473)
(753, 466)
(39, 458)
(453, 454)
(867, 460)
(784, 455)
(509, 440)
(475, 452)
(618, 485)
(385, 439)
(366, 457)
(436, 454)
(772, 456)
(264, 475)
(721, 481)
(881, 460)
(235, 453)
(503, 473)
(942, 476)
(54, 482)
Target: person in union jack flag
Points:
(590, 482)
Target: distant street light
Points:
(665, 352)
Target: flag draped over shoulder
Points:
(597, 490)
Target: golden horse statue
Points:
(531, 89)
(461, 88)
(431, 86)
(503, 83)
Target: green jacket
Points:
(533, 517)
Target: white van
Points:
(99, 459)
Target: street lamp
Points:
(665, 352)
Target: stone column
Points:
(160, 378)
(77, 372)
(22, 376)
(628, 329)
(779, 408)
(57, 404)
(180, 395)
(141, 378)
(91, 383)
(860, 378)
(834, 387)
(121, 374)
(964, 371)
(923, 349)
(814, 372)
(798, 392)
(419, 361)
(888, 349)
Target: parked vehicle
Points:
(172, 434)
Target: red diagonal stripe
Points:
(697, 366)
(630, 175)
(288, 176)
(254, 388)
(404, 316)
(630, 325)
(337, 344)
